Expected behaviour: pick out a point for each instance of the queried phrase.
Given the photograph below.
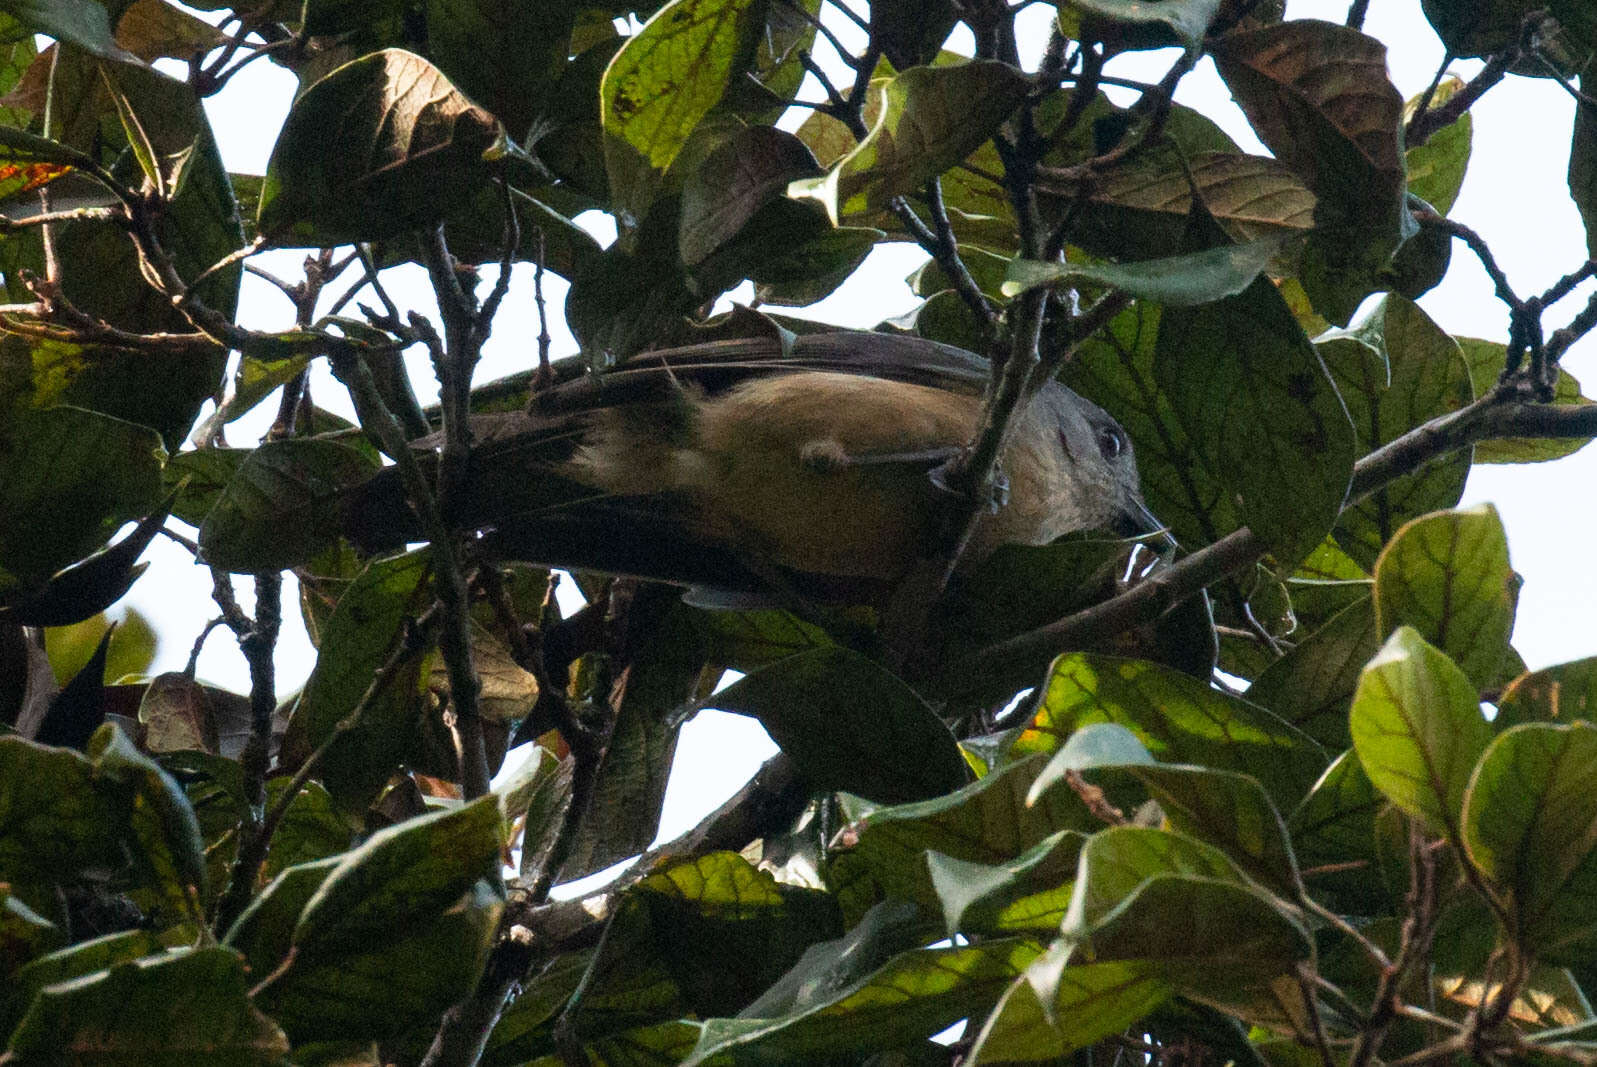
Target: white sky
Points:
(1515, 196)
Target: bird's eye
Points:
(1111, 442)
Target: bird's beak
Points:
(1135, 520)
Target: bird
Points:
(797, 464)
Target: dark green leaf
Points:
(1027, 894)
(280, 508)
(84, 23)
(1311, 685)
(1217, 942)
(193, 1005)
(68, 479)
(1092, 1001)
(1254, 397)
(357, 640)
(63, 965)
(1128, 24)
(988, 821)
(1396, 371)
(53, 823)
(413, 870)
(850, 725)
(1561, 693)
(1231, 812)
(1115, 862)
(1418, 730)
(1335, 827)
(380, 146)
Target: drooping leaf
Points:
(1334, 837)
(70, 479)
(1311, 685)
(193, 1004)
(1318, 95)
(915, 995)
(279, 509)
(358, 638)
(850, 725)
(1230, 811)
(381, 145)
(1091, 1001)
(1418, 730)
(1560, 693)
(1127, 24)
(1028, 894)
(83, 22)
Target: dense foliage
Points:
(1290, 798)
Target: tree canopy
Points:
(1289, 796)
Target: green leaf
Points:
(163, 825)
(1311, 686)
(264, 931)
(1418, 730)
(1447, 575)
(1116, 861)
(734, 182)
(280, 509)
(1560, 693)
(53, 823)
(1229, 811)
(1217, 942)
(1436, 168)
(84, 23)
(1092, 1001)
(700, 937)
(207, 472)
(1132, 24)
(1256, 401)
(1396, 371)
(413, 870)
(504, 56)
(1486, 361)
(930, 119)
(311, 828)
(24, 935)
(1177, 281)
(850, 725)
(1530, 824)
(70, 479)
(914, 995)
(988, 822)
(1335, 826)
(382, 145)
(394, 982)
(1180, 720)
(1028, 893)
(191, 1006)
(99, 954)
(357, 639)
(664, 80)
